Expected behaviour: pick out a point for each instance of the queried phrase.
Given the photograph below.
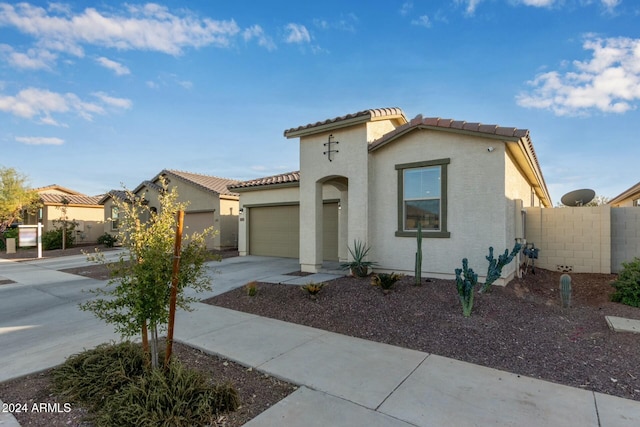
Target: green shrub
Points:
(627, 284)
(113, 381)
(52, 239)
(92, 376)
(251, 288)
(12, 233)
(176, 397)
(312, 289)
(108, 240)
(385, 280)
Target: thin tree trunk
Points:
(154, 346)
(174, 287)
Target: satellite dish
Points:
(578, 197)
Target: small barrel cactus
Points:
(565, 290)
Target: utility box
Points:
(11, 245)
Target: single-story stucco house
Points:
(373, 176)
(629, 197)
(85, 211)
(210, 204)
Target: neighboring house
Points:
(85, 211)
(373, 176)
(630, 197)
(210, 204)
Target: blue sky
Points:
(96, 95)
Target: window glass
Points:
(115, 222)
(422, 188)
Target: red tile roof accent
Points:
(373, 113)
(437, 122)
(283, 178)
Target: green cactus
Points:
(495, 266)
(466, 281)
(418, 266)
(565, 290)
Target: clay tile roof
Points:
(52, 198)
(437, 122)
(364, 115)
(283, 178)
(206, 182)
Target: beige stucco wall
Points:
(476, 203)
(571, 238)
(627, 203)
(350, 163)
(90, 221)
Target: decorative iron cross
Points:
(329, 150)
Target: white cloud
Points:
(471, 5)
(39, 140)
(346, 22)
(422, 21)
(111, 101)
(609, 82)
(42, 104)
(406, 8)
(33, 59)
(114, 66)
(256, 32)
(538, 3)
(297, 34)
(610, 4)
(149, 27)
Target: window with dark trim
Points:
(422, 198)
(115, 221)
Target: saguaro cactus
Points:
(565, 290)
(418, 266)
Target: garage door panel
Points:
(275, 231)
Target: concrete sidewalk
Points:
(354, 382)
(344, 381)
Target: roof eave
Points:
(326, 127)
(626, 194)
(266, 186)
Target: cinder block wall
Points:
(625, 236)
(576, 239)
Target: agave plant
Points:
(358, 266)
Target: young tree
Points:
(136, 299)
(15, 195)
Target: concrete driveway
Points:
(41, 323)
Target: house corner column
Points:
(311, 228)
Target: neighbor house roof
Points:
(55, 188)
(208, 183)
(525, 155)
(74, 200)
(116, 194)
(629, 193)
(347, 120)
(289, 178)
